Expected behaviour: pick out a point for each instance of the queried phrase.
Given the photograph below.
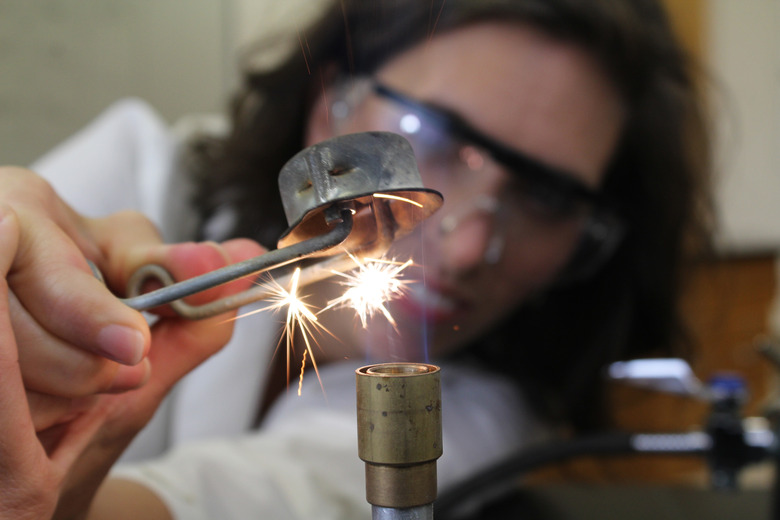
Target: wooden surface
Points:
(688, 19)
(727, 305)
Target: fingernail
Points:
(122, 344)
(130, 378)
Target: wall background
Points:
(63, 62)
(743, 46)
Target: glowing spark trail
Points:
(396, 197)
(374, 283)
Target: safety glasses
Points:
(541, 205)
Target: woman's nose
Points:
(470, 236)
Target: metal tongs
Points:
(352, 194)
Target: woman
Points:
(649, 173)
(566, 139)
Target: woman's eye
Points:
(544, 202)
(435, 141)
(431, 143)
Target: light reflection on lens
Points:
(410, 124)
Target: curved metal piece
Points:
(355, 193)
(359, 168)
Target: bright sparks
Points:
(299, 316)
(370, 286)
(367, 288)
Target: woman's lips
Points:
(436, 305)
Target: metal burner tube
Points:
(393, 513)
(399, 437)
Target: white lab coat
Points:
(199, 453)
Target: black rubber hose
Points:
(497, 478)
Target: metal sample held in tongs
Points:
(355, 194)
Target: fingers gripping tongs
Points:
(353, 194)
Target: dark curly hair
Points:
(556, 345)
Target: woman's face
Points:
(492, 245)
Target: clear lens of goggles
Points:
(549, 208)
